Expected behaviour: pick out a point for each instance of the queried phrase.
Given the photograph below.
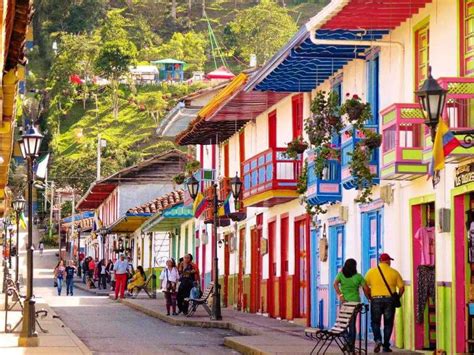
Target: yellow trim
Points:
(418, 26)
(5, 127)
(223, 95)
(250, 201)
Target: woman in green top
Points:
(347, 285)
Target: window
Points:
(467, 37)
(373, 88)
(422, 36)
(297, 111)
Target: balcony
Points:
(402, 148)
(327, 187)
(222, 221)
(459, 111)
(224, 190)
(349, 138)
(270, 178)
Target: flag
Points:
(97, 222)
(200, 204)
(22, 220)
(229, 204)
(41, 167)
(445, 142)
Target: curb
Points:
(82, 287)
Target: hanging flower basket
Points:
(334, 120)
(192, 166)
(179, 179)
(295, 147)
(373, 142)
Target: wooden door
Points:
(240, 277)
(271, 268)
(255, 270)
(226, 269)
(301, 279)
(272, 129)
(283, 266)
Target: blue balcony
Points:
(327, 187)
(349, 138)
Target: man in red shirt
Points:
(91, 272)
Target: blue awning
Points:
(78, 217)
(302, 65)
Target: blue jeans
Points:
(382, 307)
(60, 285)
(70, 285)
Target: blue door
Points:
(372, 245)
(336, 260)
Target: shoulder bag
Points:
(394, 295)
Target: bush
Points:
(52, 241)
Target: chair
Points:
(202, 301)
(338, 333)
(136, 290)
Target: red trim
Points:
(255, 270)
(226, 270)
(213, 152)
(271, 267)
(272, 130)
(284, 227)
(201, 154)
(240, 278)
(460, 278)
(226, 160)
(203, 269)
(242, 146)
(297, 115)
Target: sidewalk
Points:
(95, 291)
(59, 339)
(260, 335)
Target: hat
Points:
(385, 257)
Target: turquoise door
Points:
(336, 260)
(315, 277)
(372, 245)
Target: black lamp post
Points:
(103, 231)
(432, 98)
(30, 143)
(78, 228)
(10, 230)
(193, 188)
(18, 205)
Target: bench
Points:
(151, 294)
(338, 333)
(202, 301)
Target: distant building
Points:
(220, 74)
(171, 70)
(145, 74)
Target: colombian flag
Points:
(200, 204)
(22, 220)
(445, 142)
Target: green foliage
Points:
(154, 105)
(261, 30)
(114, 58)
(189, 47)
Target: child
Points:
(195, 291)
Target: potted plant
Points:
(192, 166)
(372, 139)
(179, 179)
(295, 147)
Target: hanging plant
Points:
(359, 113)
(295, 147)
(192, 166)
(179, 179)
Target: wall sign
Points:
(464, 175)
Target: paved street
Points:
(107, 327)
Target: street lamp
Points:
(103, 231)
(192, 185)
(432, 98)
(18, 205)
(30, 144)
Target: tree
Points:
(113, 61)
(155, 105)
(260, 30)
(189, 47)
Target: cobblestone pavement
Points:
(107, 327)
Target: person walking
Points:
(85, 269)
(90, 273)
(169, 278)
(70, 271)
(102, 274)
(187, 278)
(59, 273)
(110, 274)
(120, 270)
(382, 283)
(41, 247)
(347, 284)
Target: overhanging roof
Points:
(301, 65)
(129, 223)
(227, 113)
(169, 219)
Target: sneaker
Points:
(174, 314)
(377, 347)
(168, 313)
(387, 350)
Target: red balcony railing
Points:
(270, 170)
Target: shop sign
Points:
(464, 175)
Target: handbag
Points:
(170, 286)
(394, 295)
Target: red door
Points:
(240, 278)
(226, 270)
(271, 269)
(283, 266)
(272, 129)
(301, 280)
(203, 269)
(255, 270)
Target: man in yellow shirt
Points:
(381, 302)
